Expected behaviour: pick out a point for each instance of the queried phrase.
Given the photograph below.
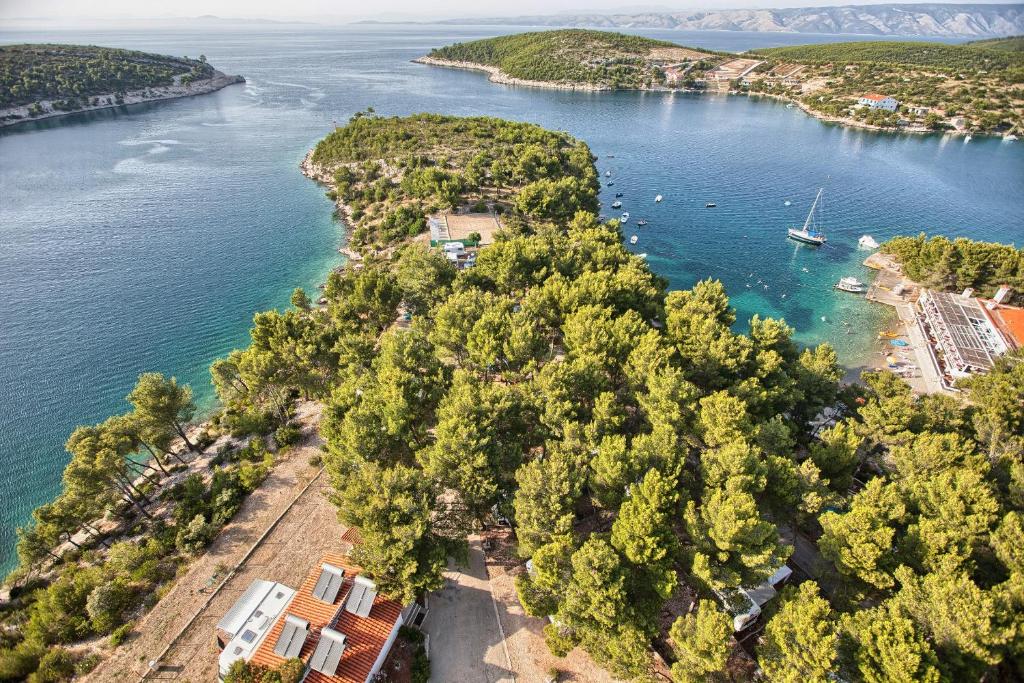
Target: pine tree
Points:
(701, 643)
(800, 640)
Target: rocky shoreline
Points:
(324, 177)
(496, 75)
(12, 116)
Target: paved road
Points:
(466, 643)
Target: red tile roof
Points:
(365, 636)
(1010, 321)
(875, 97)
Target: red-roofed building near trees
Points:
(336, 623)
(876, 101)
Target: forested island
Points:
(651, 458)
(44, 80)
(975, 87)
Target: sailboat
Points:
(809, 234)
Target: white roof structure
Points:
(250, 618)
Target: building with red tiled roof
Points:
(336, 623)
(876, 101)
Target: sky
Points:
(85, 11)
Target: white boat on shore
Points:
(852, 285)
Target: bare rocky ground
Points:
(300, 526)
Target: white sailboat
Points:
(809, 234)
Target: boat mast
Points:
(810, 215)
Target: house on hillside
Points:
(336, 623)
(876, 101)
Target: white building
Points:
(876, 101)
(247, 623)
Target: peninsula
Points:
(40, 81)
(659, 467)
(907, 86)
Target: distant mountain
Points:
(978, 21)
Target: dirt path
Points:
(308, 529)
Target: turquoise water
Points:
(145, 238)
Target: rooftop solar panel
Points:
(328, 652)
(360, 598)
(292, 637)
(329, 583)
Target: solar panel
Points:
(360, 598)
(292, 637)
(328, 652)
(329, 583)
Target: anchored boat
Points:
(633, 239)
(658, 198)
(810, 233)
(616, 205)
(641, 222)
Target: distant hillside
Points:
(595, 58)
(882, 20)
(30, 73)
(1011, 44)
(968, 57)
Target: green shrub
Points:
(87, 663)
(18, 662)
(107, 605)
(121, 633)
(288, 435)
(55, 666)
(195, 536)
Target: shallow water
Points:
(145, 238)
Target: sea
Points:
(146, 237)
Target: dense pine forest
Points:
(597, 58)
(650, 450)
(30, 73)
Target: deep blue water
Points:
(145, 238)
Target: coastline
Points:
(170, 92)
(496, 75)
(323, 177)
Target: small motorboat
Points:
(610, 184)
(607, 174)
(967, 139)
(633, 239)
(618, 194)
(616, 205)
(790, 105)
(1009, 138)
(641, 222)
(852, 285)
(867, 242)
(658, 198)
(643, 255)
(625, 216)
(787, 202)
(710, 205)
